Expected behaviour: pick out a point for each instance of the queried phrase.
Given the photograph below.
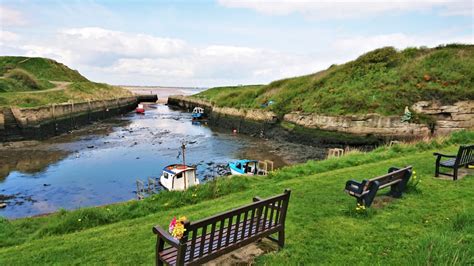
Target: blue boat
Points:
(198, 113)
(244, 167)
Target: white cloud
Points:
(127, 44)
(8, 36)
(340, 9)
(358, 45)
(11, 17)
(139, 59)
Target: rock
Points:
(3, 205)
(90, 146)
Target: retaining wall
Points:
(46, 121)
(448, 118)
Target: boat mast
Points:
(183, 146)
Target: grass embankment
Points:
(432, 224)
(31, 82)
(383, 81)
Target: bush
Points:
(24, 77)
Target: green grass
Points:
(20, 75)
(383, 81)
(41, 68)
(76, 91)
(432, 224)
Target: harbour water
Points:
(100, 164)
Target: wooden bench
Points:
(465, 157)
(212, 237)
(365, 191)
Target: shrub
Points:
(24, 77)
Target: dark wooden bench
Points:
(212, 237)
(465, 157)
(366, 190)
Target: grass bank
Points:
(431, 224)
(33, 81)
(383, 81)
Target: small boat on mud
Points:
(178, 177)
(244, 167)
(140, 109)
(198, 113)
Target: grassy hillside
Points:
(33, 81)
(382, 81)
(41, 68)
(431, 224)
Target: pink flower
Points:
(172, 225)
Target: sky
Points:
(205, 43)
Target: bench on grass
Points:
(212, 237)
(365, 191)
(464, 157)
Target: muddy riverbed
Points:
(100, 163)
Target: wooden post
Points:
(184, 164)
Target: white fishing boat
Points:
(178, 177)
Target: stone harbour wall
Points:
(370, 124)
(447, 118)
(46, 121)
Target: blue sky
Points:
(222, 42)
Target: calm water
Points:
(101, 167)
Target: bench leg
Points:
(369, 197)
(281, 238)
(395, 191)
(455, 173)
(160, 244)
(438, 159)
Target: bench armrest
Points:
(354, 186)
(165, 236)
(443, 155)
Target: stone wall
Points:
(448, 118)
(47, 121)
(27, 117)
(370, 124)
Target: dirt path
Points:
(60, 85)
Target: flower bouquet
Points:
(176, 227)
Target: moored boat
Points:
(178, 177)
(198, 113)
(244, 167)
(140, 109)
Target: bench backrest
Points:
(393, 175)
(235, 226)
(465, 155)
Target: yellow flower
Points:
(79, 220)
(414, 172)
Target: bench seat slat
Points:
(448, 163)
